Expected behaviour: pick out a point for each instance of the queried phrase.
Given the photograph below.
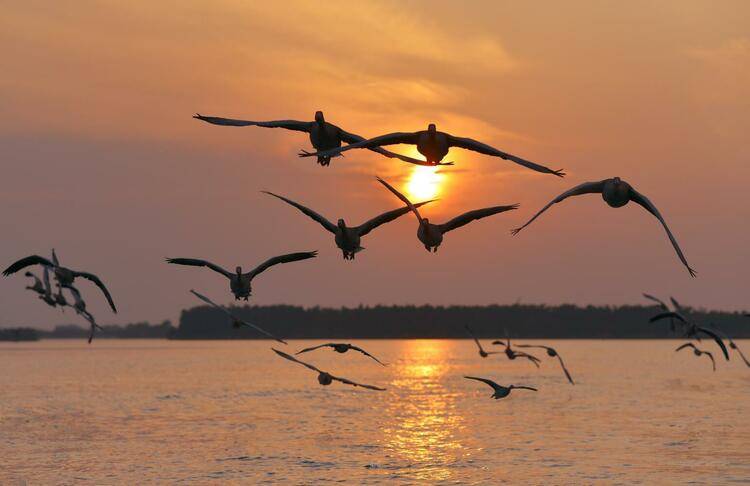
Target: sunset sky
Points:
(102, 161)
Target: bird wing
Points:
(713, 361)
(211, 303)
(357, 348)
(531, 346)
(292, 358)
(669, 315)
(531, 358)
(661, 303)
(313, 348)
(289, 257)
(470, 216)
(524, 387)
(677, 306)
(388, 139)
(386, 217)
(736, 348)
(309, 212)
(494, 385)
(195, 262)
(565, 369)
(716, 338)
(470, 144)
(351, 138)
(261, 330)
(686, 345)
(354, 383)
(639, 198)
(37, 282)
(402, 197)
(468, 329)
(93, 278)
(585, 188)
(299, 126)
(25, 262)
(76, 295)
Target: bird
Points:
(239, 283)
(663, 306)
(500, 391)
(44, 290)
(431, 235)
(325, 378)
(236, 321)
(60, 298)
(697, 352)
(64, 276)
(340, 348)
(551, 352)
(692, 330)
(512, 354)
(79, 305)
(434, 145)
(38, 287)
(732, 344)
(616, 193)
(323, 135)
(348, 238)
(482, 352)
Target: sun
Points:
(424, 183)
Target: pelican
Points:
(323, 135)
(64, 276)
(44, 290)
(236, 321)
(500, 391)
(664, 307)
(732, 344)
(431, 235)
(697, 352)
(552, 353)
(482, 352)
(692, 330)
(38, 287)
(512, 354)
(348, 238)
(325, 378)
(340, 348)
(616, 193)
(239, 283)
(434, 145)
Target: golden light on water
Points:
(424, 183)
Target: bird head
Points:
(238, 270)
(319, 117)
(341, 223)
(431, 128)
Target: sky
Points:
(102, 161)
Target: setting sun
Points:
(424, 183)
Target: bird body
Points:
(500, 391)
(325, 378)
(698, 352)
(341, 348)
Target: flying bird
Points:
(64, 276)
(434, 145)
(431, 235)
(513, 354)
(616, 193)
(692, 330)
(500, 391)
(325, 378)
(552, 353)
(732, 344)
(348, 238)
(236, 321)
(43, 290)
(323, 135)
(697, 352)
(38, 287)
(340, 348)
(482, 352)
(663, 306)
(239, 283)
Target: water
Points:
(135, 411)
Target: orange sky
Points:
(102, 161)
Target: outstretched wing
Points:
(93, 278)
(389, 139)
(356, 348)
(468, 329)
(25, 262)
(531, 358)
(565, 369)
(585, 188)
(387, 217)
(299, 126)
(309, 212)
(494, 385)
(290, 257)
(351, 138)
(713, 361)
(211, 303)
(292, 358)
(524, 387)
(313, 348)
(639, 198)
(194, 262)
(470, 144)
(661, 303)
(470, 216)
(402, 197)
(354, 383)
(686, 345)
(529, 346)
(716, 338)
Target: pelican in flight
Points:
(348, 238)
(732, 344)
(434, 145)
(662, 306)
(692, 330)
(44, 290)
(65, 276)
(500, 391)
(340, 348)
(431, 235)
(552, 353)
(323, 135)
(236, 321)
(616, 193)
(482, 352)
(513, 354)
(239, 283)
(697, 352)
(325, 378)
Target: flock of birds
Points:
(327, 139)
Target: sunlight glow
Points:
(424, 183)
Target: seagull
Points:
(323, 135)
(500, 391)
(434, 145)
(348, 238)
(239, 283)
(551, 352)
(616, 193)
(325, 378)
(431, 235)
(341, 348)
(64, 276)
(698, 352)
(482, 352)
(511, 354)
(663, 306)
(236, 321)
(692, 330)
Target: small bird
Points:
(431, 235)
(64, 276)
(512, 354)
(348, 238)
(323, 135)
(236, 321)
(697, 352)
(552, 353)
(482, 352)
(340, 348)
(434, 145)
(325, 378)
(616, 193)
(500, 391)
(692, 330)
(239, 283)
